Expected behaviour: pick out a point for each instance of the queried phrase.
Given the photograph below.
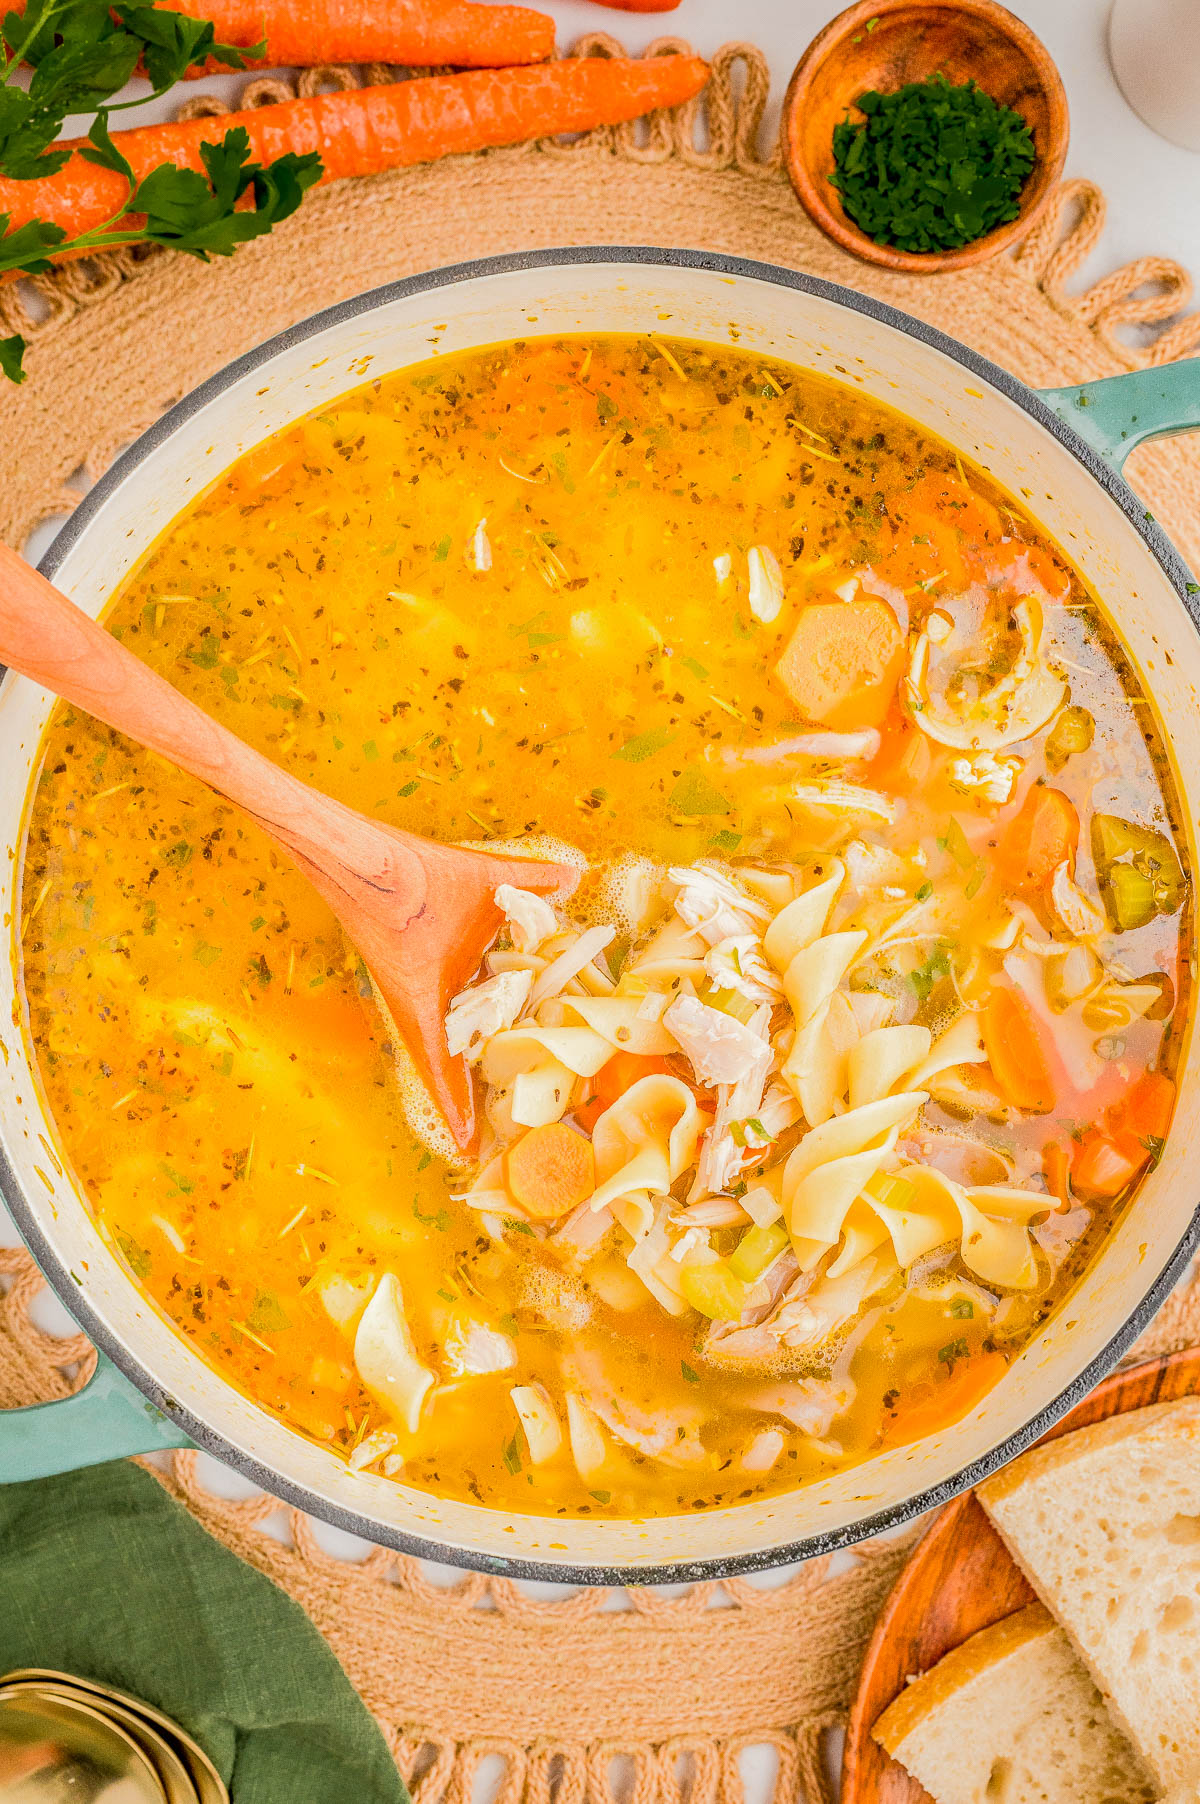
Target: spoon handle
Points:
(43, 635)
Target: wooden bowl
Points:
(961, 1579)
(911, 40)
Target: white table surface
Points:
(1153, 190)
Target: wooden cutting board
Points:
(961, 1579)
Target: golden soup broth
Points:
(206, 1037)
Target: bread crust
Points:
(960, 1667)
(1181, 1417)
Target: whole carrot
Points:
(299, 33)
(371, 129)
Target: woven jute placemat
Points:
(678, 1685)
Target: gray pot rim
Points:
(893, 1516)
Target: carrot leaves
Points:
(12, 351)
(187, 211)
(80, 54)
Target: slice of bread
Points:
(1105, 1523)
(1012, 1717)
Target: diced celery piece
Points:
(756, 1250)
(714, 1291)
(1131, 893)
(730, 1002)
(890, 1192)
(1125, 847)
(957, 844)
(1112, 838)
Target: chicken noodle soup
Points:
(809, 1106)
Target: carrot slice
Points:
(905, 761)
(1038, 839)
(611, 1081)
(843, 662)
(1012, 1039)
(370, 129)
(1104, 1166)
(935, 1403)
(1145, 1111)
(550, 1171)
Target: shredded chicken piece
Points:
(811, 1313)
(713, 905)
(1077, 912)
(763, 1451)
(746, 1339)
(825, 747)
(809, 1404)
(807, 1313)
(479, 552)
(766, 583)
(721, 1050)
(577, 957)
(371, 1448)
(669, 1435)
(712, 1212)
(486, 1009)
(737, 964)
(530, 918)
(472, 1349)
(985, 775)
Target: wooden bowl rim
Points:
(895, 1612)
(1041, 182)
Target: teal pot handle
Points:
(1118, 413)
(108, 1419)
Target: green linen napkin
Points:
(103, 1574)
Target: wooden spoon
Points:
(421, 914)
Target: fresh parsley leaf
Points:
(136, 1256)
(186, 213)
(173, 43)
(952, 1352)
(644, 745)
(922, 980)
(694, 794)
(932, 166)
(436, 1218)
(103, 152)
(29, 247)
(268, 1315)
(31, 35)
(77, 77)
(24, 137)
(12, 352)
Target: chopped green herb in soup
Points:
(808, 1108)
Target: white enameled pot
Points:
(152, 1389)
